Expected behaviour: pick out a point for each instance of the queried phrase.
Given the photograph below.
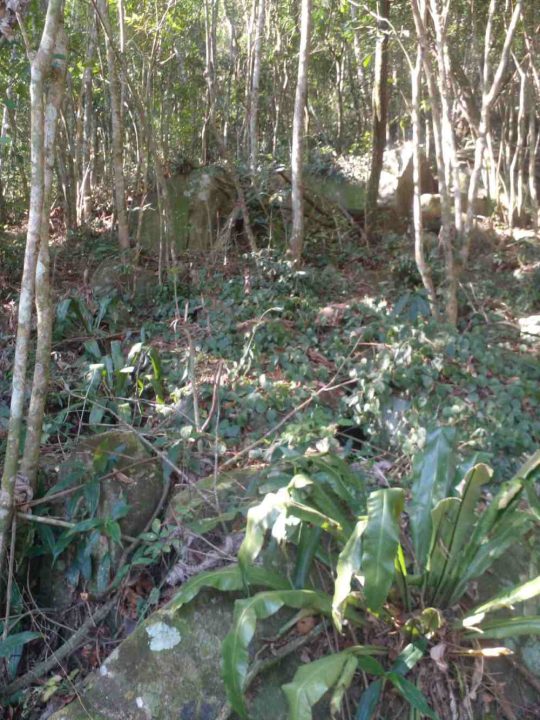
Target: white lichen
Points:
(162, 636)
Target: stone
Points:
(169, 668)
(139, 485)
(212, 199)
(530, 326)
(405, 184)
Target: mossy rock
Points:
(169, 668)
(137, 479)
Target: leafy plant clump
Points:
(393, 574)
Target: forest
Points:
(269, 359)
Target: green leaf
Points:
(409, 656)
(313, 680)
(112, 529)
(505, 599)
(412, 694)
(307, 547)
(261, 518)
(341, 687)
(14, 643)
(506, 628)
(348, 565)
(380, 544)
(463, 524)
(246, 613)
(229, 579)
(371, 666)
(443, 519)
(369, 701)
(433, 476)
(84, 526)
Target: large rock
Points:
(200, 202)
(169, 668)
(132, 476)
(405, 184)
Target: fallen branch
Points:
(78, 638)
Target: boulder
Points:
(212, 200)
(133, 476)
(169, 668)
(405, 184)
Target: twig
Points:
(215, 391)
(10, 575)
(326, 388)
(78, 638)
(68, 491)
(526, 674)
(56, 522)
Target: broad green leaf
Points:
(380, 544)
(531, 468)
(506, 628)
(412, 694)
(433, 476)
(347, 566)
(247, 612)
(13, 643)
(229, 579)
(505, 599)
(369, 701)
(261, 518)
(307, 547)
(311, 515)
(313, 680)
(409, 656)
(342, 686)
(464, 522)
(84, 526)
(371, 666)
(507, 530)
(443, 521)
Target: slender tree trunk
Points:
(532, 142)
(297, 154)
(40, 69)
(380, 112)
(44, 304)
(447, 231)
(117, 129)
(84, 204)
(419, 250)
(489, 95)
(255, 81)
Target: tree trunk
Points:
(297, 154)
(419, 251)
(380, 112)
(117, 129)
(255, 81)
(489, 95)
(84, 204)
(40, 69)
(44, 304)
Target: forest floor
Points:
(244, 360)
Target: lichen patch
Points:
(162, 636)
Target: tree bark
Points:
(380, 112)
(41, 67)
(297, 154)
(117, 129)
(419, 250)
(44, 304)
(489, 95)
(255, 81)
